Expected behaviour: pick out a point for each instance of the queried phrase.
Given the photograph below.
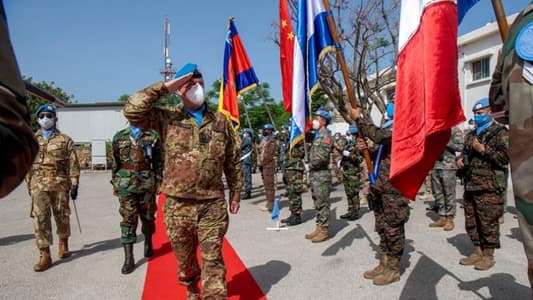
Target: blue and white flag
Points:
(463, 6)
(313, 40)
(275, 210)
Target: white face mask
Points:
(471, 126)
(316, 124)
(46, 123)
(196, 94)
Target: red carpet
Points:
(161, 280)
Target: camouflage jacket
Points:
(382, 138)
(352, 161)
(338, 146)
(446, 160)
(294, 157)
(247, 147)
(512, 93)
(319, 155)
(268, 151)
(195, 156)
(486, 171)
(137, 163)
(56, 166)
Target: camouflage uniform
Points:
(294, 173)
(137, 172)
(320, 175)
(283, 142)
(512, 93)
(54, 171)
(484, 185)
(268, 151)
(351, 167)
(195, 209)
(246, 164)
(336, 156)
(443, 179)
(17, 140)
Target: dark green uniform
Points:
(320, 175)
(351, 167)
(137, 174)
(294, 173)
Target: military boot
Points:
(193, 292)
(439, 223)
(45, 261)
(312, 234)
(371, 274)
(62, 250)
(322, 235)
(473, 258)
(247, 195)
(353, 216)
(347, 214)
(449, 225)
(129, 261)
(148, 250)
(390, 274)
(487, 260)
(293, 219)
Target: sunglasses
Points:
(46, 115)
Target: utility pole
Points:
(167, 71)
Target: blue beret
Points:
(481, 103)
(189, 68)
(249, 130)
(324, 114)
(353, 129)
(46, 108)
(269, 126)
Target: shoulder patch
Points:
(326, 141)
(524, 42)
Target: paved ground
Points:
(285, 265)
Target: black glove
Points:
(74, 192)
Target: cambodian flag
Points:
(427, 101)
(313, 40)
(238, 75)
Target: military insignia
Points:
(327, 141)
(524, 43)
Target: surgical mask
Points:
(46, 123)
(316, 124)
(196, 94)
(481, 120)
(471, 127)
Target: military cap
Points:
(352, 129)
(189, 68)
(324, 114)
(46, 108)
(269, 126)
(481, 103)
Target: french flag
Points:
(427, 101)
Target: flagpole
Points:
(501, 18)
(347, 81)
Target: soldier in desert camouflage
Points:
(54, 173)
(199, 145)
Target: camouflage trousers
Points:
(44, 203)
(135, 206)
(443, 184)
(391, 212)
(526, 230)
(246, 170)
(295, 188)
(320, 191)
(482, 210)
(352, 185)
(191, 223)
(269, 181)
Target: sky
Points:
(99, 50)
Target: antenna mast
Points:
(167, 71)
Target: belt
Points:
(140, 167)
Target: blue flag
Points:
(275, 210)
(463, 6)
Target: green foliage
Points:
(34, 102)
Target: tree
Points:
(367, 32)
(34, 102)
(168, 100)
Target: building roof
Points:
(482, 32)
(95, 105)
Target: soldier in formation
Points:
(137, 172)
(268, 151)
(55, 173)
(443, 181)
(483, 161)
(247, 149)
(294, 176)
(199, 145)
(351, 170)
(320, 175)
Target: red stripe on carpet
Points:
(161, 280)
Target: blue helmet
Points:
(285, 126)
(390, 110)
(352, 129)
(249, 130)
(324, 114)
(481, 103)
(46, 108)
(268, 126)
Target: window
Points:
(481, 69)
